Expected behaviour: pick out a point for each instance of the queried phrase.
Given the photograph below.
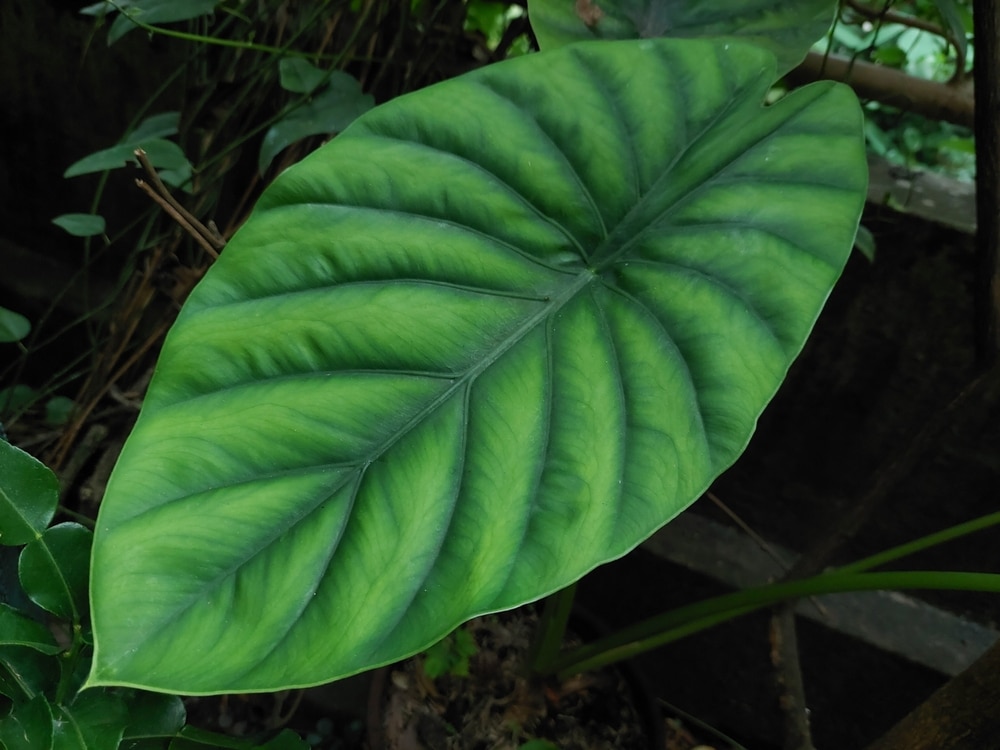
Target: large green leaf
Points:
(490, 337)
(788, 29)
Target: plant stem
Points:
(545, 649)
(675, 624)
(925, 542)
(218, 41)
(68, 664)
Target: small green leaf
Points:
(94, 721)
(18, 630)
(100, 8)
(28, 726)
(99, 161)
(962, 145)
(153, 12)
(890, 55)
(15, 398)
(81, 225)
(490, 19)
(162, 125)
(450, 655)
(58, 409)
(32, 670)
(29, 494)
(154, 715)
(13, 326)
(952, 15)
(331, 110)
(178, 178)
(54, 569)
(300, 76)
(864, 243)
(163, 154)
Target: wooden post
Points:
(964, 714)
(986, 19)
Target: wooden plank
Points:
(894, 622)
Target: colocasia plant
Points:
(493, 335)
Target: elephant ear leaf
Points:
(788, 29)
(493, 335)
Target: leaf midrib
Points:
(354, 474)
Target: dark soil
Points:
(497, 707)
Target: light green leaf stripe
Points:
(492, 336)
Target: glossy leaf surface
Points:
(492, 336)
(29, 494)
(18, 630)
(95, 720)
(153, 715)
(53, 570)
(30, 669)
(788, 29)
(28, 726)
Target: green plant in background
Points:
(13, 326)
(450, 655)
(45, 638)
(493, 335)
(938, 48)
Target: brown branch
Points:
(937, 101)
(207, 237)
(168, 207)
(788, 676)
(887, 15)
